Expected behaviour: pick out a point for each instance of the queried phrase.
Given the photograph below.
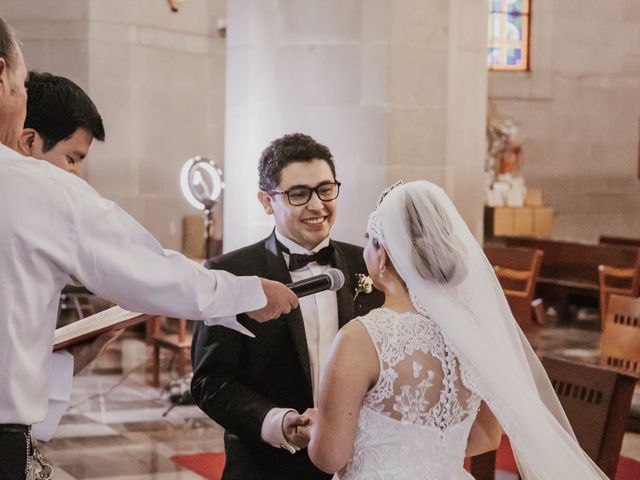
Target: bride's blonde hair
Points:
(437, 252)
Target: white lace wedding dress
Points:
(415, 421)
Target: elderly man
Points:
(55, 228)
(60, 126)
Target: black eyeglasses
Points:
(298, 196)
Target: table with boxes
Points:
(534, 219)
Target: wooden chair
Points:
(517, 270)
(179, 343)
(77, 299)
(617, 281)
(596, 400)
(620, 339)
(569, 273)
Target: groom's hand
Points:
(279, 300)
(294, 428)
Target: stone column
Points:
(396, 89)
(437, 99)
(317, 67)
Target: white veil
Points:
(451, 281)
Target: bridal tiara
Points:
(386, 191)
(373, 225)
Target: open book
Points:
(85, 329)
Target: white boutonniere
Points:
(364, 284)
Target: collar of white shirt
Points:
(295, 248)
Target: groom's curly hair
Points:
(291, 148)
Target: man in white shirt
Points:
(54, 228)
(258, 389)
(60, 126)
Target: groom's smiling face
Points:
(309, 224)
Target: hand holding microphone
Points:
(282, 298)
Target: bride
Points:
(442, 368)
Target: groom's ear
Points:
(265, 200)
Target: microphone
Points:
(332, 279)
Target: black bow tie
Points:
(300, 260)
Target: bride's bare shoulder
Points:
(353, 346)
(353, 330)
(357, 328)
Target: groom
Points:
(259, 388)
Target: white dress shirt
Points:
(54, 229)
(59, 383)
(320, 316)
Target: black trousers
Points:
(13, 452)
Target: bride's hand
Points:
(312, 413)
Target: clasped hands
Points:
(297, 427)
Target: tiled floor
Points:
(120, 428)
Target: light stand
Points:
(208, 220)
(201, 184)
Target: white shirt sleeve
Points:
(116, 258)
(271, 431)
(59, 383)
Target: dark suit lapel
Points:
(346, 310)
(280, 272)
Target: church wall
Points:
(396, 89)
(157, 78)
(578, 114)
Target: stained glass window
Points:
(508, 42)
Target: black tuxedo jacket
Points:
(238, 379)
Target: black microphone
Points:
(332, 279)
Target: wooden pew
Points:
(596, 400)
(597, 403)
(571, 269)
(611, 240)
(517, 270)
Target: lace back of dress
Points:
(420, 379)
